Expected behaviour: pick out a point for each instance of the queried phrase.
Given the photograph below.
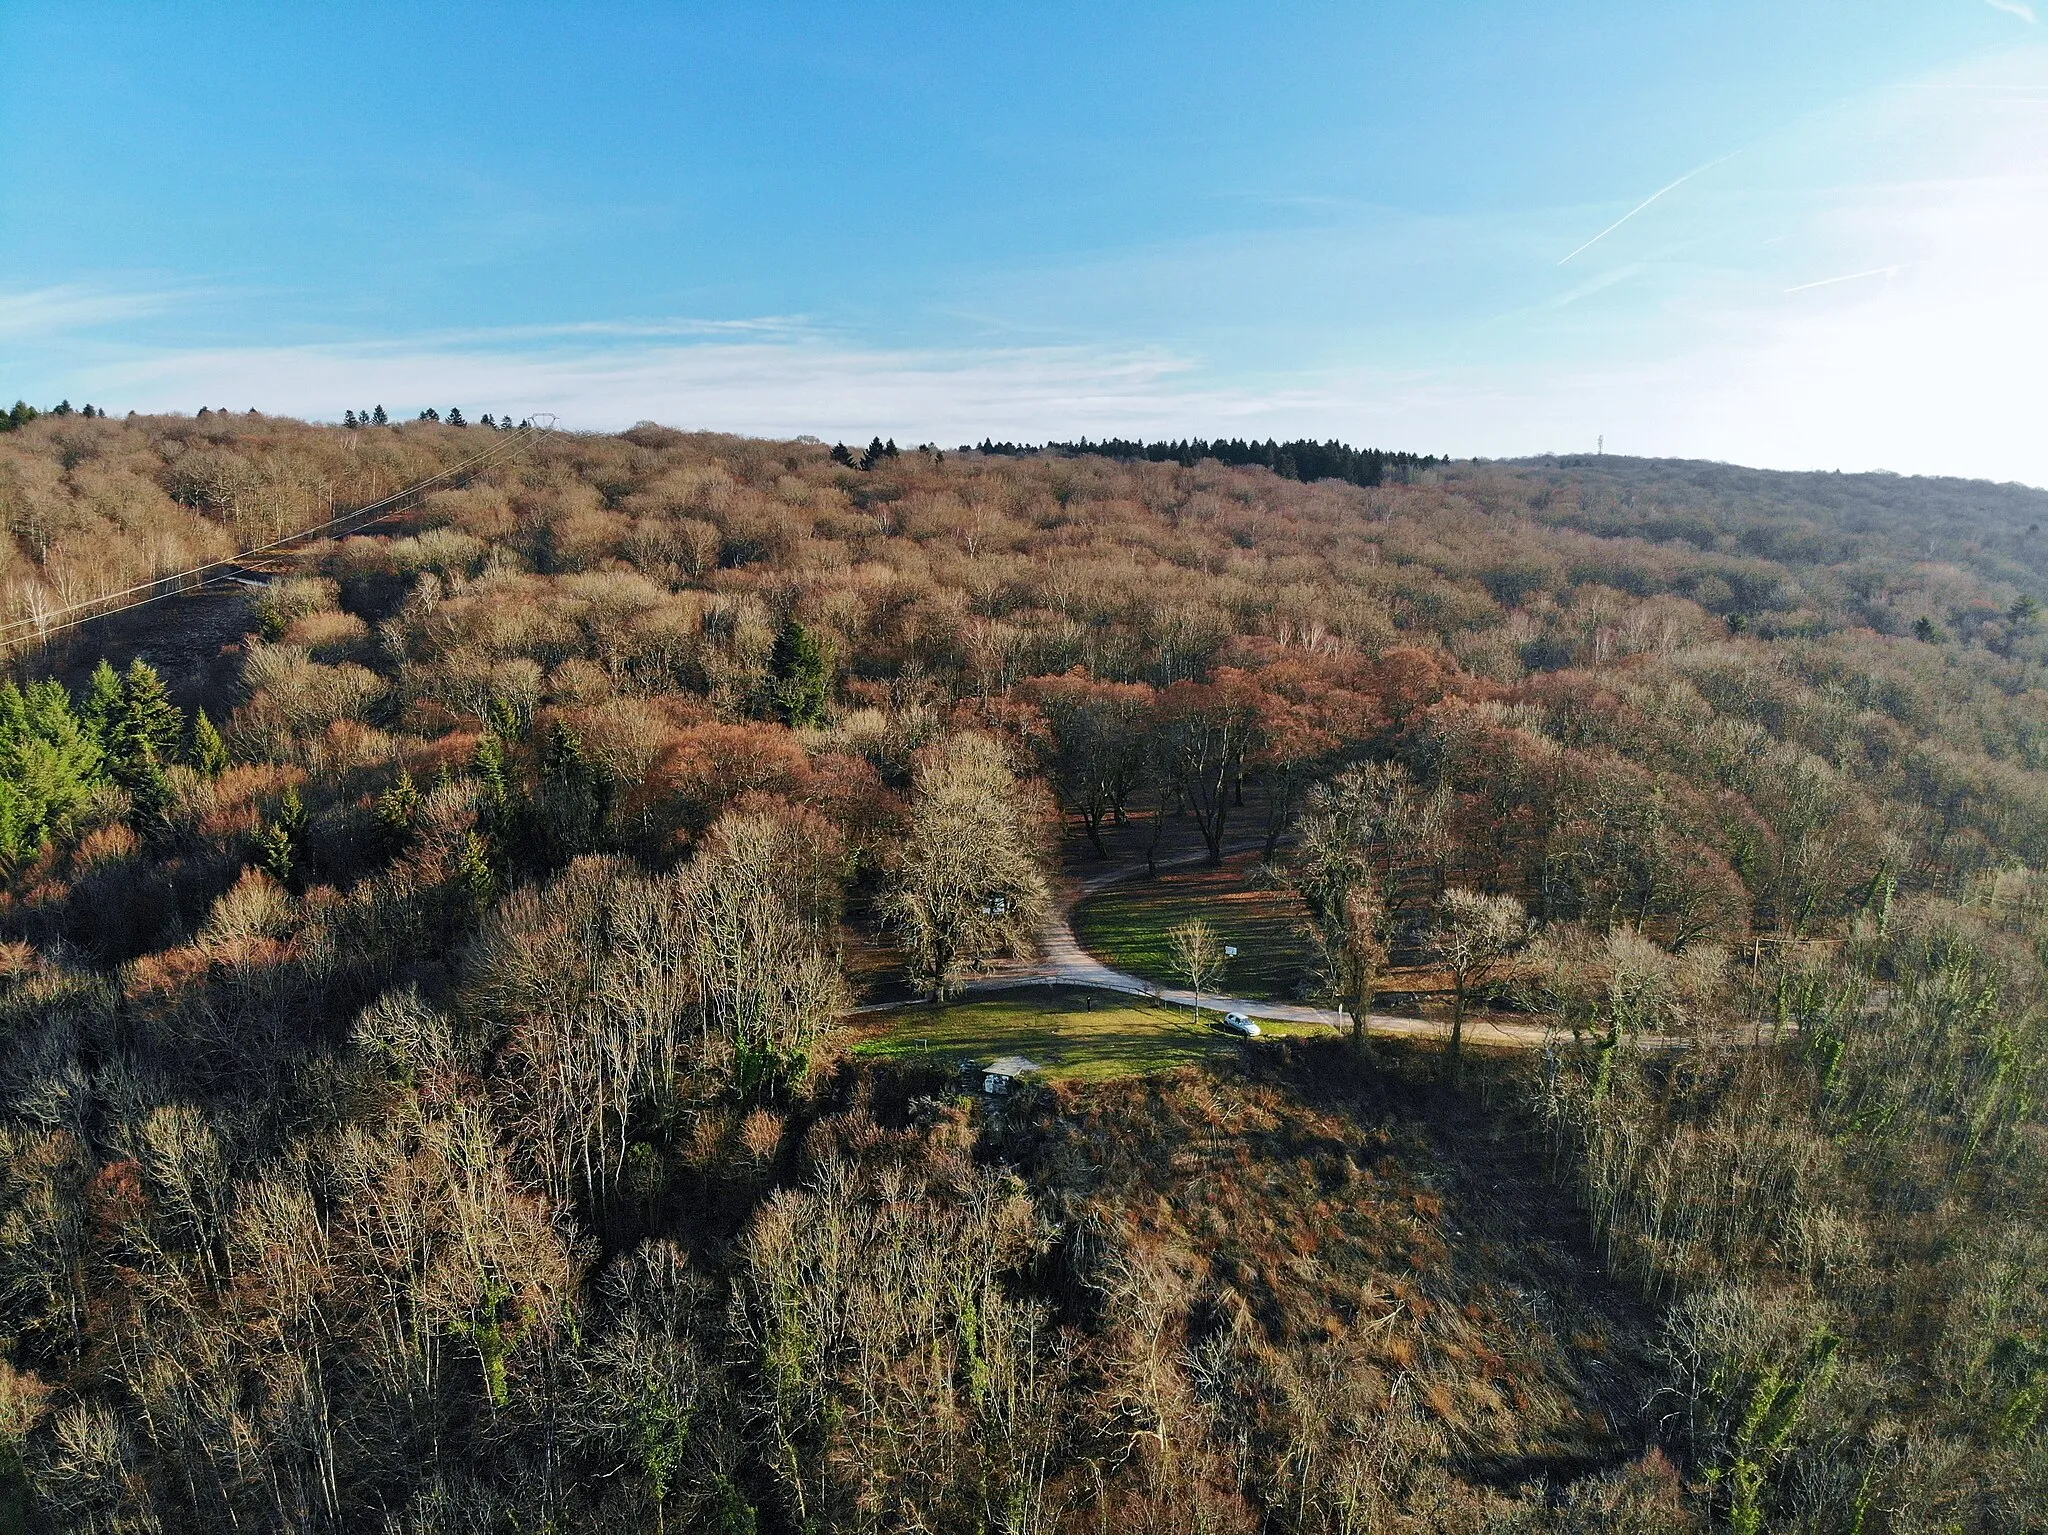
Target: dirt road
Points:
(1061, 961)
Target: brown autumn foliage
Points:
(432, 1119)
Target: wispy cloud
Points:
(673, 328)
(1639, 207)
(1876, 271)
(73, 306)
(1593, 285)
(775, 387)
(2017, 8)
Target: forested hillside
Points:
(425, 1093)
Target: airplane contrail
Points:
(1639, 207)
(1876, 271)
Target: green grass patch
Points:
(1127, 926)
(1072, 1032)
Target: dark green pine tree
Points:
(801, 672)
(475, 876)
(49, 767)
(398, 812)
(502, 716)
(205, 750)
(280, 840)
(101, 707)
(455, 416)
(348, 419)
(149, 727)
(149, 795)
(494, 783)
(378, 418)
(572, 797)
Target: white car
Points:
(1237, 1023)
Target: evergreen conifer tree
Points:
(378, 418)
(475, 876)
(572, 797)
(348, 419)
(103, 702)
(398, 810)
(149, 726)
(49, 766)
(149, 794)
(206, 751)
(494, 782)
(273, 852)
(502, 716)
(801, 669)
(455, 416)
(280, 840)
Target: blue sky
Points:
(1366, 221)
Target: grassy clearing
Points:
(1074, 1033)
(1127, 926)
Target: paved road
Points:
(1061, 961)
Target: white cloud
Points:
(779, 388)
(2017, 8)
(73, 307)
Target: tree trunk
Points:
(1457, 1032)
(1092, 819)
(1361, 1007)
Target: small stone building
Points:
(998, 1075)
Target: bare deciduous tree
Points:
(967, 882)
(1197, 955)
(1474, 938)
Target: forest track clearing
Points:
(1063, 966)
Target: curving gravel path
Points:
(1061, 961)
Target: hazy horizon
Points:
(1800, 240)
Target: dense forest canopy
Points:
(423, 1095)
